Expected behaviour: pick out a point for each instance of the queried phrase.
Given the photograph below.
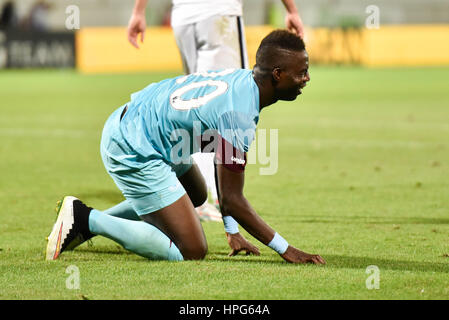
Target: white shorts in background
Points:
(214, 43)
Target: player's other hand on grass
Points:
(137, 25)
(294, 255)
(238, 243)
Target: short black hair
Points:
(273, 44)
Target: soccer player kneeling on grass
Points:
(146, 147)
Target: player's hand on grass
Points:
(238, 243)
(294, 255)
(137, 25)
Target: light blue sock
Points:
(123, 210)
(139, 237)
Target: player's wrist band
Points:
(278, 244)
(231, 226)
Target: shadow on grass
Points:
(335, 261)
(112, 196)
(211, 257)
(242, 258)
(105, 250)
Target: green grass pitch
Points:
(362, 180)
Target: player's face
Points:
(293, 77)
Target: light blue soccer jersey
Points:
(167, 119)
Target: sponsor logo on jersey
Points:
(237, 160)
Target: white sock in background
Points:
(205, 162)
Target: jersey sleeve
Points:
(236, 131)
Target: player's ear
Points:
(276, 74)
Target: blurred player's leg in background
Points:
(211, 44)
(186, 42)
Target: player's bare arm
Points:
(235, 239)
(137, 23)
(234, 203)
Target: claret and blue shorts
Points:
(149, 184)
